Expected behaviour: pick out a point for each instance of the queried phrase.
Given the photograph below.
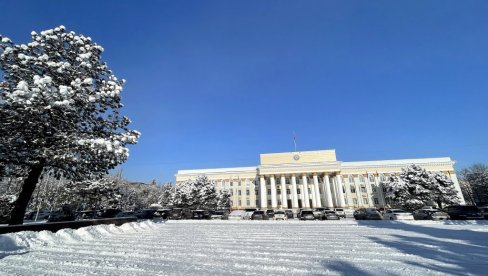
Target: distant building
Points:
(311, 179)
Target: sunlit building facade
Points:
(312, 179)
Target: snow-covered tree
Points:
(92, 194)
(59, 110)
(415, 187)
(476, 178)
(223, 200)
(195, 194)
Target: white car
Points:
(349, 213)
(280, 215)
(237, 215)
(397, 214)
(340, 212)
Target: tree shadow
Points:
(342, 268)
(9, 247)
(455, 251)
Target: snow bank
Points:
(21, 242)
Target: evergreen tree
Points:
(476, 177)
(59, 110)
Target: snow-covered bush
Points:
(195, 194)
(415, 187)
(59, 110)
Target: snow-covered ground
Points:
(251, 247)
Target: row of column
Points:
(332, 195)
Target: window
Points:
(256, 192)
(239, 193)
(355, 201)
(240, 203)
(231, 183)
(351, 179)
(287, 180)
(269, 202)
(299, 191)
(248, 193)
(239, 183)
(373, 188)
(248, 202)
(382, 177)
(363, 189)
(361, 178)
(365, 200)
(288, 191)
(278, 191)
(353, 189)
(371, 178)
(247, 184)
(279, 202)
(269, 191)
(376, 201)
(309, 191)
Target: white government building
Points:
(312, 179)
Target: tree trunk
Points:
(17, 216)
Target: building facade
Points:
(312, 179)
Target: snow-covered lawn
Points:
(250, 247)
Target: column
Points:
(339, 192)
(274, 203)
(294, 191)
(312, 195)
(284, 199)
(328, 194)
(369, 192)
(359, 194)
(305, 198)
(318, 204)
(455, 181)
(264, 200)
(381, 195)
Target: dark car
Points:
(200, 214)
(42, 215)
(145, 214)
(367, 214)
(180, 213)
(463, 212)
(306, 215)
(430, 214)
(64, 214)
(87, 214)
(330, 215)
(109, 213)
(259, 215)
(163, 214)
(484, 211)
(270, 213)
(125, 214)
(289, 214)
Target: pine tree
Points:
(415, 187)
(59, 105)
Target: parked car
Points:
(289, 213)
(319, 213)
(65, 214)
(349, 213)
(249, 212)
(180, 213)
(280, 215)
(220, 214)
(237, 215)
(331, 215)
(430, 214)
(259, 215)
(87, 214)
(306, 215)
(367, 214)
(484, 211)
(200, 214)
(162, 213)
(109, 213)
(43, 215)
(340, 212)
(397, 214)
(463, 212)
(125, 214)
(145, 214)
(270, 213)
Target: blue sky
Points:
(216, 83)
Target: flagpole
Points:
(295, 141)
